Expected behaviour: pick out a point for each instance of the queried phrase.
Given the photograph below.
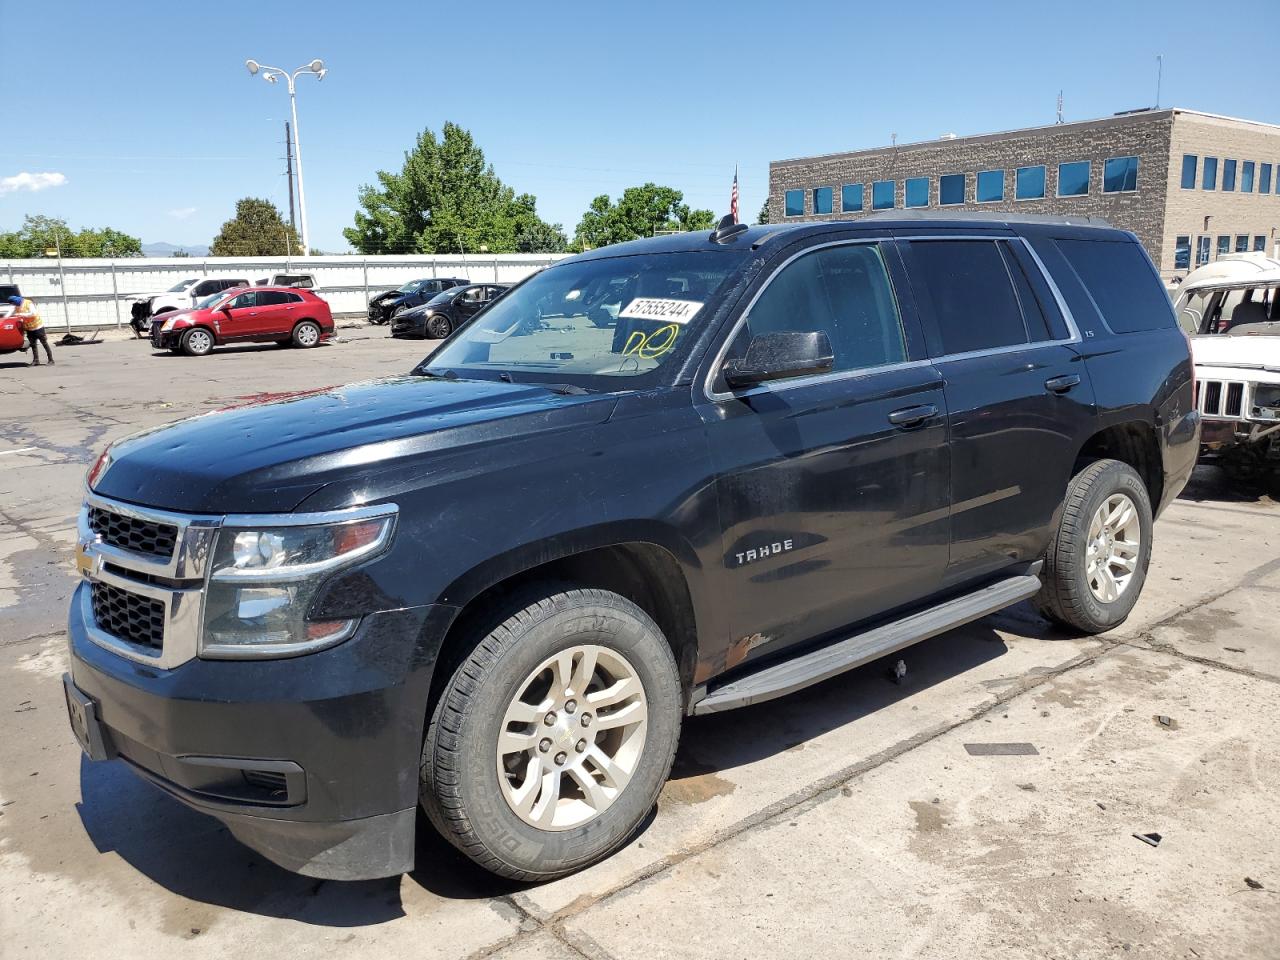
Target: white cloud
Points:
(31, 181)
(181, 213)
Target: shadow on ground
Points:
(1210, 483)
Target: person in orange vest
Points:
(34, 326)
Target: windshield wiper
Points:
(431, 375)
(564, 389)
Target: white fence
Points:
(99, 293)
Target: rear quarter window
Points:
(1119, 279)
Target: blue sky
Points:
(148, 114)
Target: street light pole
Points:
(271, 75)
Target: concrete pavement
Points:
(848, 819)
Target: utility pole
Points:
(288, 171)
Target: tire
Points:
(197, 342)
(437, 327)
(475, 807)
(306, 334)
(1076, 591)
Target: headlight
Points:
(167, 325)
(263, 579)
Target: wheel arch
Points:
(1135, 442)
(646, 566)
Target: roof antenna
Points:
(1159, 72)
(727, 229)
(1060, 120)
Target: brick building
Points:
(1192, 186)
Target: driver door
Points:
(470, 301)
(834, 489)
(240, 318)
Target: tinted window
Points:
(1118, 276)
(1228, 174)
(1030, 183)
(990, 186)
(822, 200)
(1032, 312)
(244, 300)
(1210, 179)
(1242, 243)
(1246, 177)
(851, 197)
(843, 291)
(1189, 171)
(1120, 175)
(917, 192)
(1259, 244)
(951, 189)
(882, 195)
(969, 290)
(1073, 179)
(1224, 245)
(206, 288)
(272, 298)
(1182, 253)
(1202, 251)
(1264, 178)
(795, 203)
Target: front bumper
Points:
(164, 339)
(413, 327)
(312, 761)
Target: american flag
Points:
(733, 197)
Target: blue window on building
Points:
(1264, 178)
(1260, 244)
(1228, 174)
(1224, 245)
(1210, 179)
(917, 192)
(823, 199)
(1120, 175)
(851, 198)
(795, 203)
(1073, 179)
(950, 189)
(1182, 253)
(990, 186)
(1189, 171)
(1246, 177)
(882, 195)
(1029, 183)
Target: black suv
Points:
(384, 306)
(445, 312)
(492, 588)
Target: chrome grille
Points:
(138, 620)
(1224, 399)
(132, 533)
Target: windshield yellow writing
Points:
(650, 346)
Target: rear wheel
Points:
(1097, 562)
(549, 745)
(438, 327)
(306, 334)
(197, 342)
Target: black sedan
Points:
(414, 293)
(445, 313)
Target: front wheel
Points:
(549, 745)
(438, 327)
(197, 342)
(1097, 561)
(306, 334)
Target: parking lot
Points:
(860, 818)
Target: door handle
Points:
(912, 416)
(1062, 384)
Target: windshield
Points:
(179, 287)
(209, 301)
(410, 287)
(617, 317)
(444, 297)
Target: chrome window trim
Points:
(188, 572)
(717, 396)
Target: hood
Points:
(388, 297)
(267, 457)
(1257, 353)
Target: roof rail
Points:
(992, 217)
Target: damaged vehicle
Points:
(485, 595)
(1231, 311)
(412, 294)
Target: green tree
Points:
(257, 230)
(39, 234)
(639, 212)
(764, 212)
(447, 199)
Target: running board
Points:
(791, 675)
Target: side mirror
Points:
(779, 356)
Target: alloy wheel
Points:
(1112, 548)
(572, 737)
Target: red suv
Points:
(252, 315)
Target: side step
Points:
(815, 666)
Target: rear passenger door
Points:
(275, 317)
(833, 489)
(1019, 401)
